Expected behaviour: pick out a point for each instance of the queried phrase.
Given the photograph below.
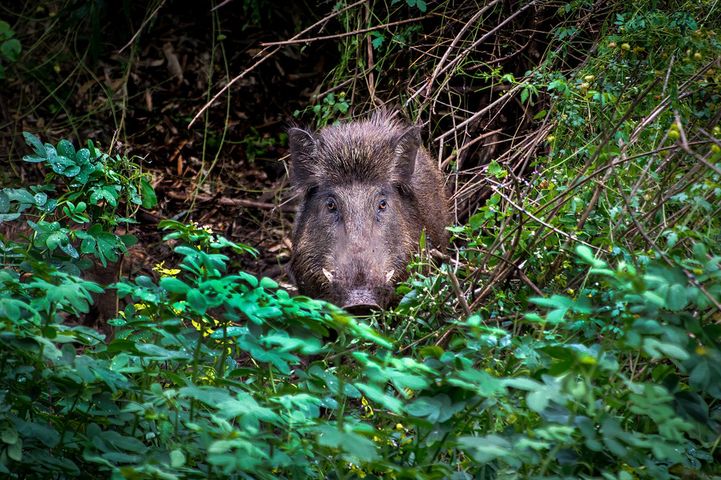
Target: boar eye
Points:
(331, 205)
(382, 204)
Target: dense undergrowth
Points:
(571, 332)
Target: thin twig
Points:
(142, 26)
(545, 224)
(267, 54)
(454, 281)
(438, 69)
(296, 41)
(229, 202)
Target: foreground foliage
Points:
(576, 335)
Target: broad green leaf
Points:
(174, 285)
(587, 255)
(34, 142)
(9, 435)
(197, 300)
(66, 149)
(496, 170)
(11, 49)
(356, 446)
(177, 458)
(485, 449)
(149, 200)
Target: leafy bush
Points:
(10, 47)
(574, 336)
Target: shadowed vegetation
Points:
(571, 330)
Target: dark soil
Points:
(77, 81)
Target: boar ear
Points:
(405, 154)
(302, 150)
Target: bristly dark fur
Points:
(355, 164)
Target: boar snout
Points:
(361, 301)
(358, 284)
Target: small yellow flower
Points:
(399, 426)
(367, 408)
(165, 272)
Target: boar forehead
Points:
(359, 197)
(356, 153)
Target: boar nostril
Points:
(328, 275)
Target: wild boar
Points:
(367, 189)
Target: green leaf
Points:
(40, 199)
(69, 250)
(486, 449)
(355, 446)
(38, 430)
(55, 239)
(676, 298)
(436, 409)
(108, 193)
(82, 157)
(268, 283)
(11, 49)
(15, 451)
(5, 30)
(700, 375)
(177, 458)
(155, 352)
(197, 300)
(4, 202)
(378, 396)
(174, 285)
(538, 400)
(66, 149)
(342, 107)
(377, 39)
(588, 257)
(210, 396)
(658, 349)
(149, 200)
(34, 142)
(496, 170)
(9, 435)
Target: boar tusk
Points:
(389, 275)
(328, 275)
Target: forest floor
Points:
(227, 171)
